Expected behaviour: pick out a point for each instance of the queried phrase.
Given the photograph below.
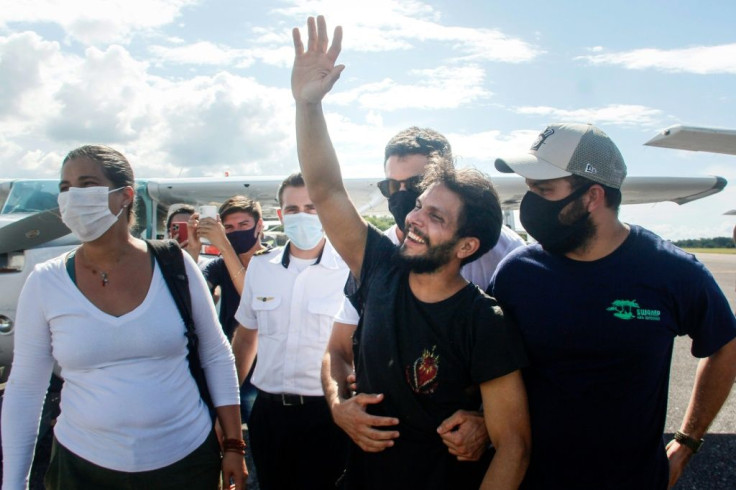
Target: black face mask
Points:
(541, 218)
(242, 240)
(400, 205)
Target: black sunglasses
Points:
(389, 187)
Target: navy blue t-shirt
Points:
(216, 274)
(599, 336)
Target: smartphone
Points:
(182, 229)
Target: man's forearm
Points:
(714, 380)
(244, 349)
(334, 378)
(317, 157)
(508, 466)
(235, 268)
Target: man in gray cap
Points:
(599, 303)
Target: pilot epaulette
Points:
(263, 251)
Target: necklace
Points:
(105, 276)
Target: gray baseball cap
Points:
(569, 149)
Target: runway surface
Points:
(714, 467)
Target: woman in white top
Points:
(131, 413)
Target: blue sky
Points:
(198, 88)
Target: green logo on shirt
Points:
(628, 309)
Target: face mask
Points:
(303, 229)
(541, 218)
(243, 240)
(400, 205)
(86, 211)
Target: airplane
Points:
(31, 230)
(695, 138)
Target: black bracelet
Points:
(686, 440)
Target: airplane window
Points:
(31, 196)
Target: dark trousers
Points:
(199, 470)
(296, 446)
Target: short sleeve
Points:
(498, 348)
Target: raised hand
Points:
(314, 71)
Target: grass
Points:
(729, 251)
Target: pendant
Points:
(104, 279)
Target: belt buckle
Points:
(285, 400)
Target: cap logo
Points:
(541, 138)
(590, 169)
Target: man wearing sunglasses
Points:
(405, 157)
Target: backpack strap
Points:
(171, 262)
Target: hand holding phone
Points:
(181, 231)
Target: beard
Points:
(580, 230)
(435, 257)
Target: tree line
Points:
(716, 242)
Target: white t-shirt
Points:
(478, 272)
(129, 401)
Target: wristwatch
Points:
(686, 440)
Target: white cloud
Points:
(94, 21)
(103, 100)
(33, 71)
(389, 25)
(438, 88)
(226, 123)
(198, 126)
(481, 149)
(616, 114)
(203, 53)
(701, 60)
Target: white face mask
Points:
(86, 212)
(303, 229)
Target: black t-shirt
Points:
(428, 360)
(600, 337)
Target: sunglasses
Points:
(389, 187)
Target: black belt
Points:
(287, 399)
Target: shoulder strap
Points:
(171, 262)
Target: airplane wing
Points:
(368, 199)
(32, 230)
(696, 139)
(636, 190)
(206, 190)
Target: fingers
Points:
(450, 423)
(317, 38)
(374, 441)
(333, 76)
(298, 45)
(322, 40)
(311, 34)
(336, 46)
